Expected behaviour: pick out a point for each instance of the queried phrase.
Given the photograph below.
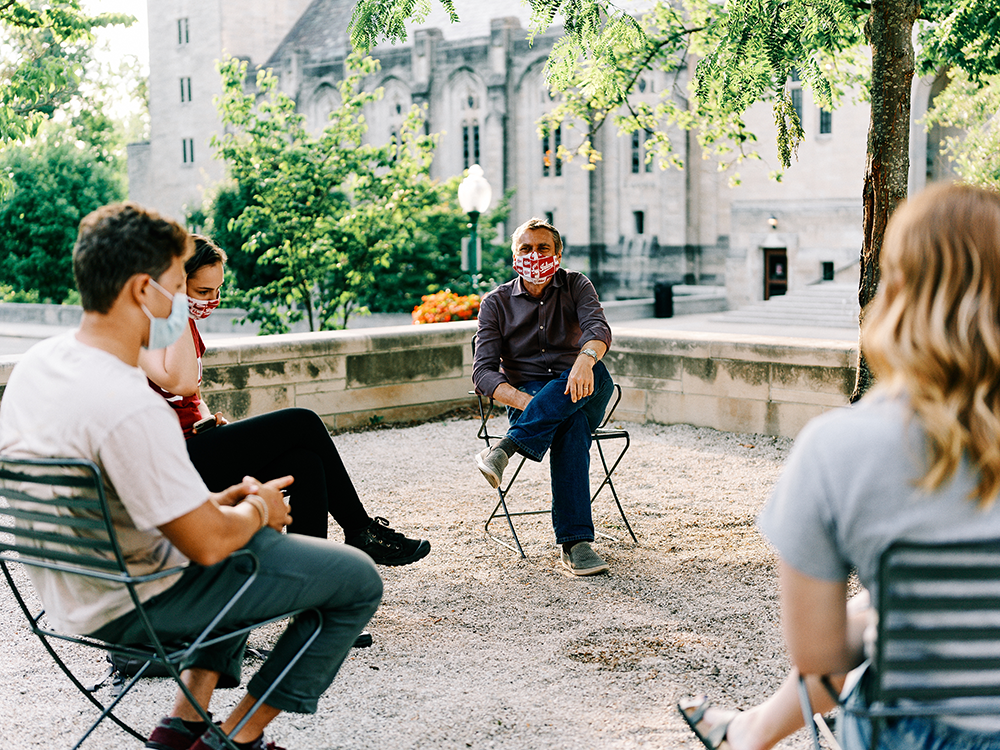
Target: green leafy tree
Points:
(43, 51)
(56, 182)
(10, 294)
(971, 106)
(73, 163)
(745, 51)
(224, 207)
(111, 108)
(966, 42)
(432, 261)
(324, 212)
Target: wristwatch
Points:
(590, 353)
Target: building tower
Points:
(175, 167)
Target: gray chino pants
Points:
(295, 572)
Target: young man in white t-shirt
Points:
(82, 395)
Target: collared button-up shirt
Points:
(523, 338)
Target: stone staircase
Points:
(826, 305)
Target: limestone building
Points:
(175, 167)
(627, 224)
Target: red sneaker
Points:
(171, 734)
(214, 743)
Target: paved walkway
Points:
(711, 322)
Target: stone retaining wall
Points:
(740, 383)
(730, 382)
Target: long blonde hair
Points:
(933, 330)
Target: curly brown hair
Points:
(118, 241)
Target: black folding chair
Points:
(602, 434)
(56, 516)
(938, 648)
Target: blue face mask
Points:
(165, 331)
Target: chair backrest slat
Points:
(943, 603)
(54, 514)
(945, 572)
(96, 545)
(59, 559)
(939, 627)
(941, 634)
(9, 474)
(941, 694)
(54, 518)
(945, 664)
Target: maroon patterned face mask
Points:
(535, 267)
(199, 309)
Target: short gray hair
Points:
(536, 223)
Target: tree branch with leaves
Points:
(44, 49)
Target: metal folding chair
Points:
(55, 515)
(938, 648)
(601, 435)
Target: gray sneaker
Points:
(581, 560)
(492, 462)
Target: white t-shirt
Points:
(65, 399)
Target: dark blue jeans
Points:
(553, 423)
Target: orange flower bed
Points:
(445, 306)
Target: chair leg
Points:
(502, 503)
(607, 482)
(40, 634)
(106, 711)
(807, 713)
(502, 492)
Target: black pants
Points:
(288, 441)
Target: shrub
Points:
(445, 306)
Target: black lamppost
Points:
(474, 195)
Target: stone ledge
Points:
(760, 384)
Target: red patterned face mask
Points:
(535, 267)
(199, 309)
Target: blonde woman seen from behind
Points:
(917, 459)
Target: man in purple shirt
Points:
(539, 346)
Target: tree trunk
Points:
(889, 31)
(307, 300)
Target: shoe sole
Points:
(492, 478)
(603, 568)
(423, 549)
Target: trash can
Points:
(663, 302)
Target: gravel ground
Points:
(476, 648)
